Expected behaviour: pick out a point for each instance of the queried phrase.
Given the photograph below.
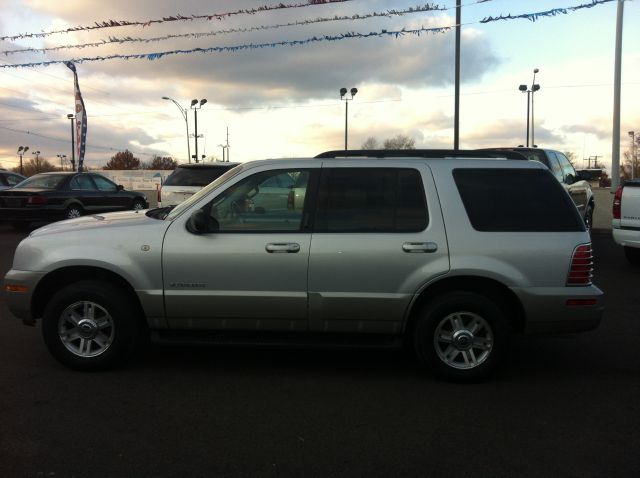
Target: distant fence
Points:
(137, 179)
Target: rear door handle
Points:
(286, 247)
(420, 247)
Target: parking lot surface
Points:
(560, 406)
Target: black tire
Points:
(90, 325)
(460, 336)
(138, 204)
(73, 211)
(588, 218)
(633, 255)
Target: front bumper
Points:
(560, 310)
(18, 288)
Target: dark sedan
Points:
(48, 197)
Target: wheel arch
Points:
(490, 288)
(53, 281)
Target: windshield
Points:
(44, 181)
(183, 206)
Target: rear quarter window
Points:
(516, 200)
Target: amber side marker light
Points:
(16, 288)
(581, 302)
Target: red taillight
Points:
(37, 200)
(581, 269)
(581, 302)
(617, 203)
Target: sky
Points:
(281, 98)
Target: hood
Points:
(110, 220)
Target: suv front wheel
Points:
(90, 325)
(460, 336)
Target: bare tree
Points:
(370, 143)
(161, 162)
(123, 160)
(400, 142)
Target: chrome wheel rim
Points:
(86, 329)
(73, 213)
(138, 206)
(463, 340)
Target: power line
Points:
(194, 35)
(173, 18)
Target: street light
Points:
(37, 153)
(343, 93)
(534, 88)
(530, 92)
(73, 143)
(22, 150)
(224, 147)
(62, 158)
(183, 111)
(634, 153)
(195, 108)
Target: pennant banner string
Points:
(173, 18)
(352, 35)
(112, 40)
(549, 13)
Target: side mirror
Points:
(570, 179)
(119, 187)
(201, 223)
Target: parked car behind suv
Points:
(47, 197)
(188, 179)
(446, 253)
(576, 184)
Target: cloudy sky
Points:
(283, 101)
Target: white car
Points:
(188, 179)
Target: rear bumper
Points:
(552, 310)
(31, 215)
(629, 237)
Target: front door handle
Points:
(286, 247)
(420, 247)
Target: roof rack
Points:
(422, 153)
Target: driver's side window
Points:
(267, 201)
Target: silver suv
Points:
(445, 254)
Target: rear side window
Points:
(516, 200)
(371, 200)
(198, 177)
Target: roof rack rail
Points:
(422, 153)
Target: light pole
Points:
(37, 153)
(183, 111)
(224, 147)
(22, 150)
(343, 93)
(634, 152)
(62, 158)
(195, 108)
(530, 92)
(73, 143)
(534, 88)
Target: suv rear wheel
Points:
(90, 325)
(460, 336)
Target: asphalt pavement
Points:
(561, 406)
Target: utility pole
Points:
(617, 74)
(456, 113)
(227, 145)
